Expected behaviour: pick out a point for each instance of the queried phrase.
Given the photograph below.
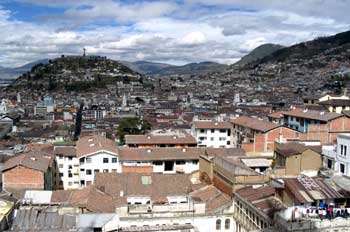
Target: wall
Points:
(23, 178)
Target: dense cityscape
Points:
(90, 141)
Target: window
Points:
(61, 174)
(158, 163)
(114, 160)
(88, 172)
(70, 174)
(342, 168)
(114, 170)
(329, 164)
(70, 183)
(88, 160)
(202, 138)
(228, 142)
(96, 170)
(212, 130)
(218, 224)
(105, 170)
(222, 131)
(70, 166)
(222, 138)
(105, 160)
(180, 162)
(202, 130)
(60, 166)
(212, 139)
(227, 224)
(70, 158)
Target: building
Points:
(258, 136)
(96, 154)
(336, 105)
(212, 134)
(161, 138)
(226, 171)
(30, 170)
(254, 208)
(336, 157)
(318, 125)
(293, 159)
(316, 99)
(161, 202)
(160, 160)
(68, 167)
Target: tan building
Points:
(336, 105)
(227, 172)
(292, 159)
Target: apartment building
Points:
(96, 154)
(258, 136)
(212, 133)
(68, 167)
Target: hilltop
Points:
(193, 69)
(75, 73)
(259, 53)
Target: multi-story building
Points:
(96, 154)
(68, 167)
(160, 160)
(212, 134)
(161, 138)
(337, 156)
(258, 136)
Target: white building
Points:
(68, 167)
(96, 154)
(212, 134)
(337, 157)
(160, 160)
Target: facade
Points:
(293, 159)
(336, 105)
(337, 157)
(212, 134)
(258, 136)
(96, 154)
(30, 170)
(160, 160)
(68, 167)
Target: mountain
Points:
(146, 67)
(12, 73)
(193, 68)
(331, 45)
(259, 53)
(75, 73)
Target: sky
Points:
(176, 32)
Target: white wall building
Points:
(212, 134)
(337, 157)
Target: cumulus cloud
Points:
(164, 31)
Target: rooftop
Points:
(255, 124)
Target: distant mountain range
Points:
(163, 69)
(13, 73)
(259, 53)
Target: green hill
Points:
(258, 53)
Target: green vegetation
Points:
(132, 126)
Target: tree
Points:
(132, 126)
(78, 122)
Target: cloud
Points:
(164, 31)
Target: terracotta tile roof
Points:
(212, 125)
(336, 102)
(290, 149)
(214, 199)
(254, 124)
(37, 160)
(94, 143)
(312, 114)
(65, 150)
(90, 198)
(159, 153)
(155, 185)
(277, 114)
(252, 194)
(183, 138)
